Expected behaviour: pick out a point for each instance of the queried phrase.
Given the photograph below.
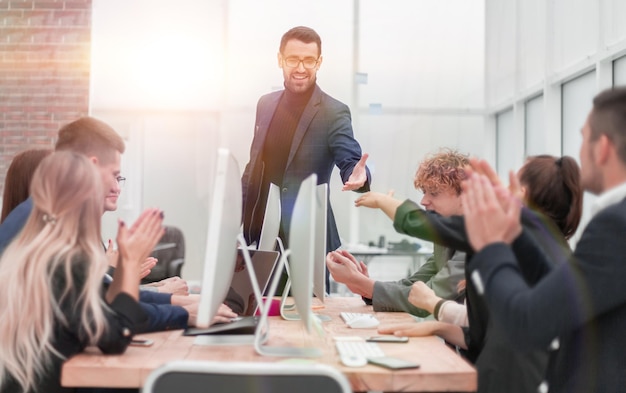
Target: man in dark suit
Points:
(299, 131)
(579, 306)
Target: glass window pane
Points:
(619, 71)
(535, 142)
(504, 144)
(576, 104)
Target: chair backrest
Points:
(170, 252)
(245, 377)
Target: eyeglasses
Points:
(308, 63)
(120, 180)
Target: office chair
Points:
(185, 376)
(170, 252)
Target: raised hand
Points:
(111, 253)
(376, 200)
(146, 266)
(343, 268)
(491, 213)
(134, 246)
(138, 241)
(482, 167)
(358, 177)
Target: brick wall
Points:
(44, 71)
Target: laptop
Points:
(264, 263)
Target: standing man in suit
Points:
(578, 307)
(299, 131)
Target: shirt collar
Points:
(608, 198)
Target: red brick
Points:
(78, 4)
(73, 18)
(48, 5)
(20, 5)
(44, 71)
(41, 18)
(13, 18)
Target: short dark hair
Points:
(608, 117)
(301, 33)
(90, 137)
(553, 186)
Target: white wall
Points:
(178, 82)
(557, 54)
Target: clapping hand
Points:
(491, 213)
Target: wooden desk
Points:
(441, 368)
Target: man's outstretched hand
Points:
(358, 177)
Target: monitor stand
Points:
(224, 339)
(245, 330)
(262, 331)
(285, 307)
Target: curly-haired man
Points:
(439, 177)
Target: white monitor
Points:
(271, 220)
(302, 245)
(301, 258)
(221, 245)
(319, 247)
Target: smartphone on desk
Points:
(392, 363)
(387, 339)
(141, 342)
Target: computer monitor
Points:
(221, 245)
(264, 264)
(271, 220)
(319, 247)
(301, 259)
(302, 238)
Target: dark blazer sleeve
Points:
(124, 316)
(125, 320)
(163, 317)
(155, 297)
(570, 295)
(538, 247)
(14, 222)
(344, 147)
(414, 221)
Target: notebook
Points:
(264, 263)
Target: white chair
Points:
(184, 376)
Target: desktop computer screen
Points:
(224, 220)
(319, 252)
(302, 239)
(271, 220)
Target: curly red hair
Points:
(444, 170)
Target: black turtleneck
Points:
(280, 135)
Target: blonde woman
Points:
(52, 301)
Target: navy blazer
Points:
(581, 302)
(323, 139)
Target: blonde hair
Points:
(56, 263)
(444, 170)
